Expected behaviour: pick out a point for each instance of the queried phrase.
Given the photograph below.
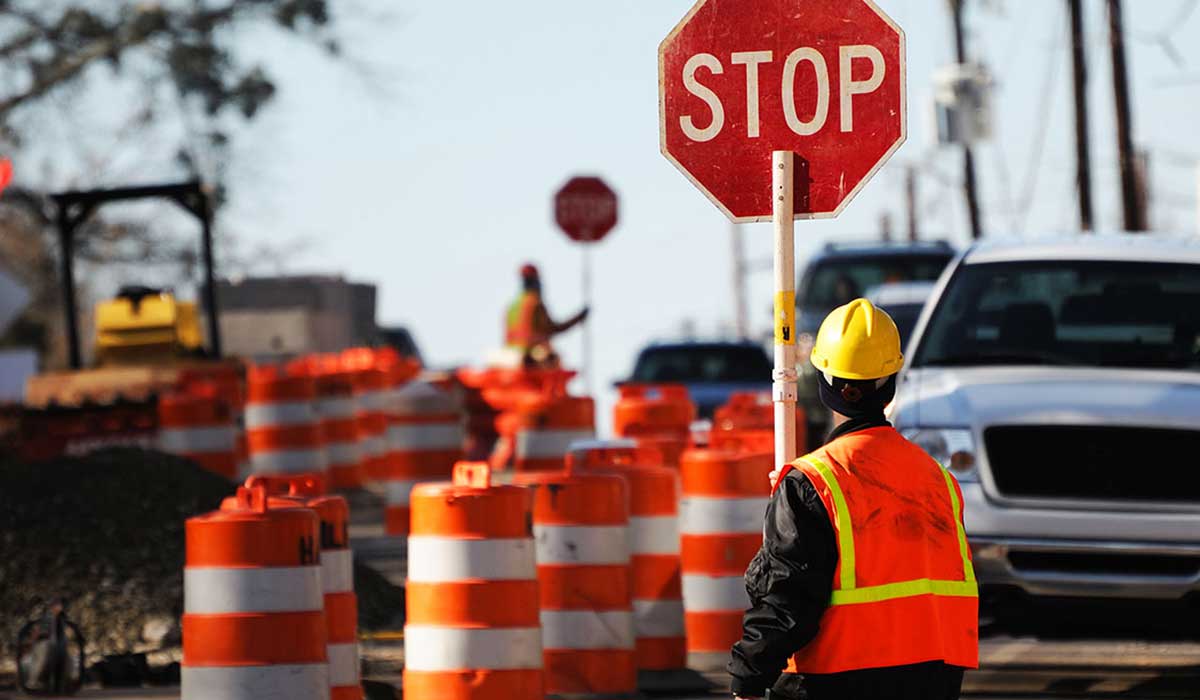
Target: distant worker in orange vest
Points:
(529, 327)
(864, 587)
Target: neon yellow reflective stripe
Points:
(844, 527)
(905, 589)
(963, 547)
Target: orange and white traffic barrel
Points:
(472, 630)
(654, 546)
(199, 426)
(283, 430)
(747, 422)
(253, 623)
(546, 427)
(425, 437)
(581, 524)
(371, 397)
(338, 411)
(725, 494)
(656, 415)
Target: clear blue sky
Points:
(433, 178)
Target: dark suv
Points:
(841, 273)
(712, 371)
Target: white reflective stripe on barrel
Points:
(341, 453)
(217, 591)
(425, 436)
(714, 593)
(197, 440)
(293, 682)
(655, 535)
(587, 629)
(289, 461)
(343, 665)
(703, 515)
(337, 408)
(452, 649)
(441, 559)
(399, 493)
(337, 570)
(545, 444)
(658, 618)
(573, 544)
(269, 415)
(374, 401)
(374, 445)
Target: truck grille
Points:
(1095, 463)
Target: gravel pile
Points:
(106, 532)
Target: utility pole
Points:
(1083, 153)
(885, 227)
(740, 318)
(960, 49)
(910, 195)
(1134, 216)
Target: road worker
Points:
(529, 328)
(863, 588)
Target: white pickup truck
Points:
(1059, 381)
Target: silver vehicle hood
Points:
(979, 397)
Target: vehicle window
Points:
(905, 316)
(703, 363)
(839, 281)
(1071, 313)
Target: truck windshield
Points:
(839, 281)
(1098, 314)
(703, 363)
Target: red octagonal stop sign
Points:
(822, 78)
(586, 209)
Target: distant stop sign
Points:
(586, 209)
(824, 79)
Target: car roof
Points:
(685, 344)
(1140, 247)
(880, 249)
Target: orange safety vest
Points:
(521, 331)
(904, 590)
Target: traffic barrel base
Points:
(472, 630)
(253, 623)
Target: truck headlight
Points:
(954, 448)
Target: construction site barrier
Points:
(654, 546)
(581, 524)
(200, 426)
(656, 415)
(283, 431)
(253, 623)
(545, 428)
(472, 631)
(425, 436)
(725, 494)
(338, 411)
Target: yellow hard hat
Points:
(858, 341)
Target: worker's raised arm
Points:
(556, 328)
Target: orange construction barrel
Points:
(654, 546)
(253, 623)
(283, 431)
(472, 631)
(546, 427)
(581, 524)
(201, 427)
(656, 415)
(725, 494)
(425, 438)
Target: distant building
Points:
(270, 317)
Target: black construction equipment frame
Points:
(75, 207)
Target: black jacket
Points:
(789, 583)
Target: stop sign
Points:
(824, 79)
(586, 209)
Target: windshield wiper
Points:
(990, 359)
